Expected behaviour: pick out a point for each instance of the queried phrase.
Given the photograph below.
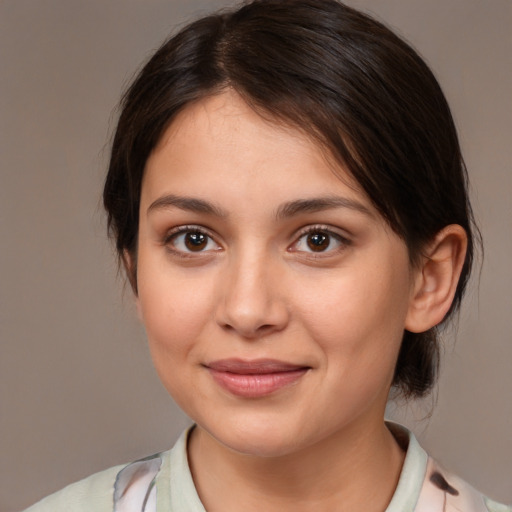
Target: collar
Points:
(181, 494)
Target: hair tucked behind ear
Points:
(418, 363)
(344, 79)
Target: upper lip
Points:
(254, 366)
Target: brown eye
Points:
(190, 240)
(195, 241)
(318, 242)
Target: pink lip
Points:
(256, 378)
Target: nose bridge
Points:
(252, 304)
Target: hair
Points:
(344, 79)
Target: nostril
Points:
(247, 331)
(251, 307)
(250, 331)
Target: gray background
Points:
(77, 389)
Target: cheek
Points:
(173, 316)
(174, 309)
(359, 318)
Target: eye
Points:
(319, 240)
(188, 239)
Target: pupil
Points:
(195, 241)
(318, 242)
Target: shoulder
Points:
(425, 486)
(92, 493)
(132, 486)
(114, 488)
(442, 490)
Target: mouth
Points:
(256, 378)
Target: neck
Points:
(352, 469)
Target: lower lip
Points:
(256, 385)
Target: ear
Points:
(436, 279)
(130, 266)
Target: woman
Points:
(288, 198)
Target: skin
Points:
(256, 290)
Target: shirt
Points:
(163, 483)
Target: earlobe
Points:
(436, 279)
(130, 266)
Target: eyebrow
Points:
(286, 210)
(318, 204)
(191, 204)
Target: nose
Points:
(252, 303)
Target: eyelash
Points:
(343, 241)
(172, 235)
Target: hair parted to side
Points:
(344, 79)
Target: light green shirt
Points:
(163, 483)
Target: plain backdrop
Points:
(77, 388)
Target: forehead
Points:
(230, 124)
(220, 140)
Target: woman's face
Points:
(273, 294)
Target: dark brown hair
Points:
(341, 77)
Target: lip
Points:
(255, 378)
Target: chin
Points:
(257, 437)
(257, 445)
